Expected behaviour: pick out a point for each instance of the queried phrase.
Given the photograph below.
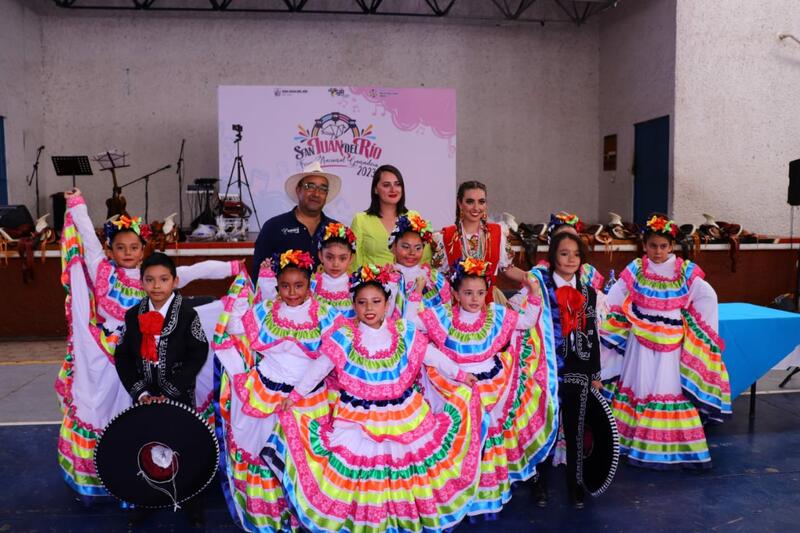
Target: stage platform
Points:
(36, 310)
(752, 487)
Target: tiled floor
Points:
(752, 487)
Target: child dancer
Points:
(407, 242)
(162, 350)
(146, 372)
(572, 308)
(266, 351)
(563, 221)
(332, 284)
(663, 355)
(386, 462)
(99, 292)
(485, 340)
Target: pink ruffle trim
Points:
(439, 336)
(240, 386)
(75, 200)
(380, 391)
(634, 401)
(102, 287)
(326, 294)
(706, 327)
(252, 329)
(377, 514)
(664, 436)
(656, 347)
(663, 304)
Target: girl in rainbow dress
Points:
(407, 242)
(265, 350)
(386, 461)
(662, 357)
(330, 285)
(100, 288)
(517, 387)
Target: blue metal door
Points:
(651, 168)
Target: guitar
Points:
(116, 205)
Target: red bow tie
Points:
(150, 324)
(570, 304)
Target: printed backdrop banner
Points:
(351, 131)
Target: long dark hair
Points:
(552, 252)
(464, 187)
(375, 202)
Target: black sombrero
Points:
(600, 445)
(156, 455)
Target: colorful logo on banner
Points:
(336, 140)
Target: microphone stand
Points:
(35, 176)
(180, 172)
(146, 179)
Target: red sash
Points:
(452, 249)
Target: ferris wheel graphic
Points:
(334, 125)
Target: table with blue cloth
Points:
(756, 338)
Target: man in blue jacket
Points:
(300, 228)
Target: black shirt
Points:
(285, 232)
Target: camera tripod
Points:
(241, 179)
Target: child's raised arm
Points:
(92, 247)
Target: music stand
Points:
(146, 179)
(72, 165)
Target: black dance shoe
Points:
(577, 498)
(540, 491)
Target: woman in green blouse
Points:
(373, 226)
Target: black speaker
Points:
(794, 182)
(14, 216)
(59, 210)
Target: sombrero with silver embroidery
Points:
(156, 455)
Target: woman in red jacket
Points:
(473, 236)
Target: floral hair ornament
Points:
(292, 258)
(124, 222)
(469, 267)
(662, 225)
(373, 273)
(564, 218)
(412, 221)
(335, 230)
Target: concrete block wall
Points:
(737, 110)
(21, 97)
(527, 104)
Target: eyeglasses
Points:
(311, 187)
